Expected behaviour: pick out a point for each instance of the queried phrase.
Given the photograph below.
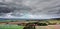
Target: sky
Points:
(30, 9)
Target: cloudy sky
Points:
(30, 9)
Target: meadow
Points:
(6, 26)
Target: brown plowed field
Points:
(48, 27)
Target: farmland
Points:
(48, 27)
(20, 24)
(5, 26)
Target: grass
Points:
(11, 27)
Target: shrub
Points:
(42, 24)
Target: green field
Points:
(11, 27)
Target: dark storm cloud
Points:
(10, 7)
(30, 9)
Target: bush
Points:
(42, 24)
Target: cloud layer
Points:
(30, 9)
